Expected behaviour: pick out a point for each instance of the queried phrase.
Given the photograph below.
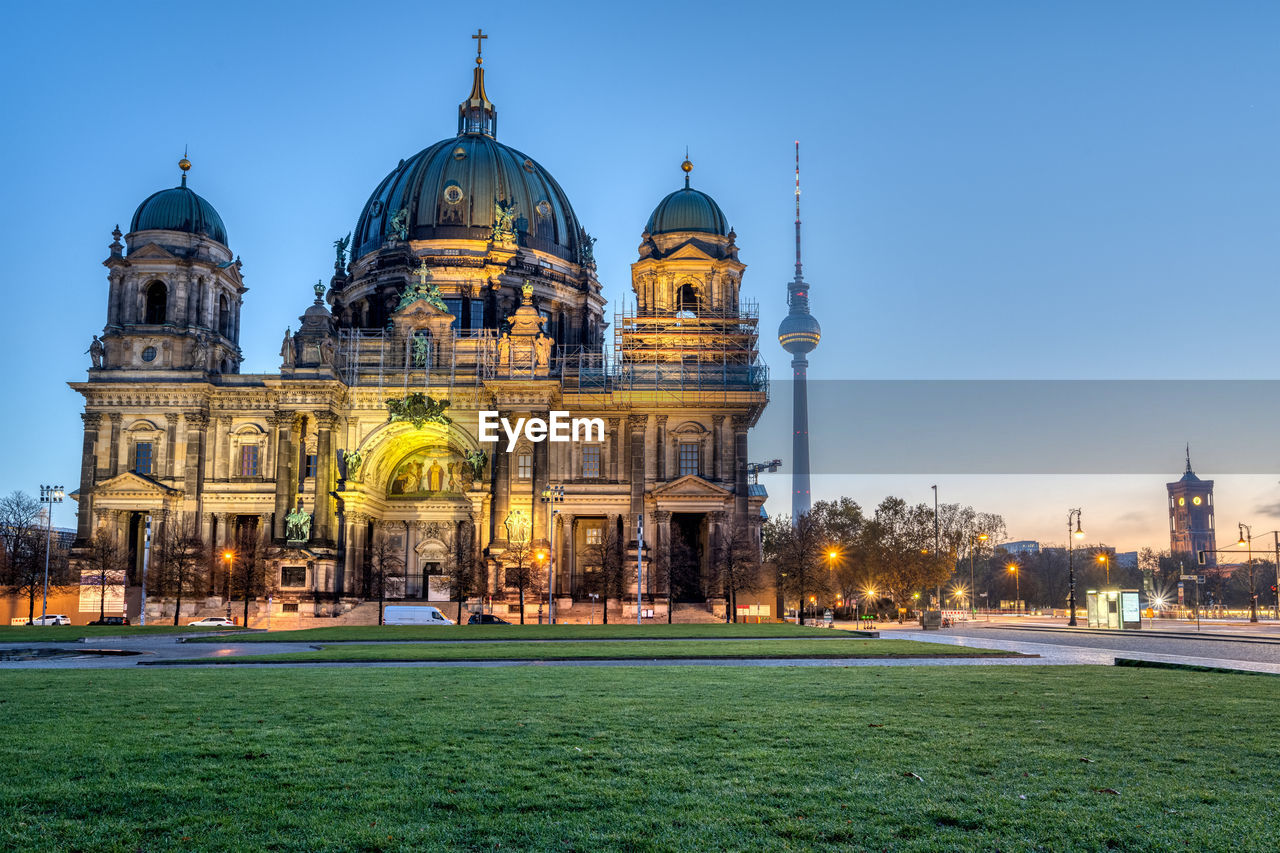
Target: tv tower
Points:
(799, 334)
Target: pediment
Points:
(151, 252)
(422, 308)
(689, 252)
(133, 484)
(691, 486)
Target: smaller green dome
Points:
(687, 209)
(179, 209)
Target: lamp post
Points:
(832, 556)
(1071, 569)
(540, 556)
(1017, 587)
(49, 495)
(981, 537)
(551, 495)
(1105, 559)
(937, 545)
(1246, 537)
(228, 559)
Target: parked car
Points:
(212, 622)
(51, 619)
(414, 614)
(111, 620)
(486, 619)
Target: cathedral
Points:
(468, 287)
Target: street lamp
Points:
(49, 495)
(1246, 532)
(1017, 587)
(981, 537)
(551, 495)
(1105, 559)
(1071, 569)
(228, 559)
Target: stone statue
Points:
(97, 352)
(352, 458)
(340, 246)
(587, 250)
(504, 349)
(504, 218)
(399, 227)
(477, 459)
(542, 350)
(298, 524)
(200, 353)
(517, 526)
(327, 351)
(287, 355)
(421, 345)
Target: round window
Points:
(459, 153)
(544, 208)
(453, 194)
(528, 165)
(149, 354)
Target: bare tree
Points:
(468, 575)
(797, 551)
(180, 564)
(735, 566)
(602, 561)
(258, 560)
(105, 562)
(523, 569)
(385, 561)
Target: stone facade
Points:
(351, 440)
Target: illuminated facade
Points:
(470, 286)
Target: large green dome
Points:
(179, 209)
(687, 209)
(450, 190)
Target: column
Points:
(717, 436)
(170, 444)
(660, 444)
(661, 548)
(568, 544)
(740, 465)
(222, 448)
(637, 424)
(563, 579)
(115, 444)
(323, 528)
(501, 489)
(614, 448)
(282, 422)
(88, 470)
(193, 467)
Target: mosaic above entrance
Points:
(430, 472)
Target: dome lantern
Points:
(477, 114)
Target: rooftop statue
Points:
(97, 352)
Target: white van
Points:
(414, 614)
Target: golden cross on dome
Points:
(479, 37)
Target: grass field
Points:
(611, 650)
(911, 758)
(72, 633)
(403, 633)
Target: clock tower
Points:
(1191, 516)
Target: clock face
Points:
(1196, 500)
(1182, 501)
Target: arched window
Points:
(224, 316)
(687, 298)
(157, 301)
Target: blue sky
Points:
(1020, 190)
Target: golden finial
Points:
(479, 37)
(687, 165)
(184, 164)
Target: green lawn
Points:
(72, 633)
(606, 650)
(402, 633)
(1008, 758)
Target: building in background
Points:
(1191, 517)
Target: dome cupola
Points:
(179, 209)
(687, 209)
